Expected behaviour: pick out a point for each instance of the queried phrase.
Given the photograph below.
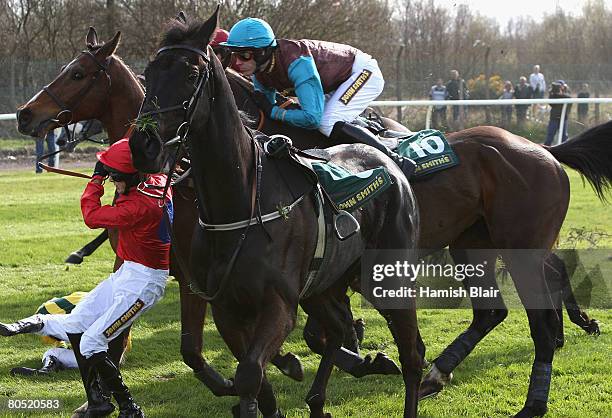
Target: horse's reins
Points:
(262, 116)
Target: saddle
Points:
(337, 230)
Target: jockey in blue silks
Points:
(333, 82)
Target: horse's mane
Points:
(177, 32)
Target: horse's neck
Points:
(222, 161)
(125, 98)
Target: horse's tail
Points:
(590, 153)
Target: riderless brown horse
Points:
(256, 269)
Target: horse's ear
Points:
(208, 28)
(109, 48)
(91, 39)
(181, 17)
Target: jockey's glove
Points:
(263, 103)
(100, 170)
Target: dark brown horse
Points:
(507, 193)
(256, 271)
(114, 98)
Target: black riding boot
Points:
(111, 377)
(349, 134)
(51, 364)
(27, 325)
(98, 402)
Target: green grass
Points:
(10, 144)
(41, 224)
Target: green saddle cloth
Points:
(351, 191)
(430, 150)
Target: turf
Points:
(41, 224)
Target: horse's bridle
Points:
(187, 106)
(67, 109)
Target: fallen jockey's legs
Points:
(111, 377)
(344, 132)
(50, 364)
(27, 325)
(98, 402)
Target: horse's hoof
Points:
(292, 367)
(434, 382)
(80, 411)
(277, 414)
(537, 410)
(429, 388)
(321, 415)
(559, 342)
(593, 328)
(383, 364)
(74, 258)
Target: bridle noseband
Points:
(67, 109)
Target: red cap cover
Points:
(118, 156)
(221, 35)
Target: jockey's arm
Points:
(309, 90)
(97, 215)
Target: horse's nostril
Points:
(24, 117)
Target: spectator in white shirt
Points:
(537, 83)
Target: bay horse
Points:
(39, 114)
(257, 273)
(507, 193)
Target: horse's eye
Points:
(193, 75)
(77, 75)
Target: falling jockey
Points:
(113, 305)
(333, 82)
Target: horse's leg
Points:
(347, 357)
(193, 314)
(404, 327)
(528, 275)
(487, 313)
(76, 257)
(193, 307)
(556, 278)
(290, 365)
(333, 315)
(263, 341)
(558, 272)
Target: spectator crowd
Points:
(532, 87)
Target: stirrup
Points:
(345, 225)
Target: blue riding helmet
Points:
(250, 33)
